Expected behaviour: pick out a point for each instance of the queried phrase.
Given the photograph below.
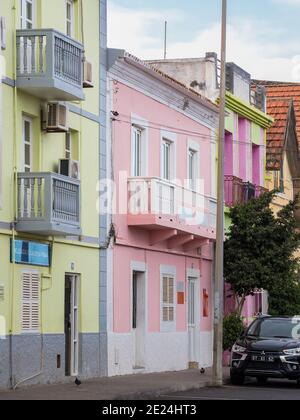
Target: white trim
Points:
(163, 93)
(138, 266)
(170, 137)
(23, 17)
(193, 146)
(195, 275)
(168, 271)
(143, 125)
(71, 21)
(213, 186)
(30, 144)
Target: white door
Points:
(72, 328)
(193, 319)
(139, 318)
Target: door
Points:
(71, 324)
(138, 318)
(193, 319)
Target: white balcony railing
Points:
(155, 196)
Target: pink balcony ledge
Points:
(172, 213)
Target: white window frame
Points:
(25, 167)
(138, 123)
(31, 302)
(70, 21)
(168, 138)
(24, 18)
(169, 272)
(68, 147)
(193, 147)
(137, 152)
(264, 295)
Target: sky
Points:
(263, 36)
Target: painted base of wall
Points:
(27, 359)
(164, 352)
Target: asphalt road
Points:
(274, 390)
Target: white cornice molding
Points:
(163, 93)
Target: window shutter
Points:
(1, 292)
(168, 299)
(30, 301)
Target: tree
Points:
(260, 253)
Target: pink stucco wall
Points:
(133, 242)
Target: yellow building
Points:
(52, 140)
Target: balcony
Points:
(48, 204)
(171, 212)
(49, 65)
(234, 191)
(238, 192)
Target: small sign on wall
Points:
(30, 253)
(180, 293)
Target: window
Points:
(27, 144)
(168, 302)
(69, 17)
(166, 157)
(27, 14)
(68, 146)
(192, 163)
(30, 301)
(261, 298)
(137, 152)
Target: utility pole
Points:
(165, 40)
(219, 269)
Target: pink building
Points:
(162, 158)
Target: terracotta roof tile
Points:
(279, 97)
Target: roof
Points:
(280, 97)
(146, 67)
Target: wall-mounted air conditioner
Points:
(55, 117)
(87, 75)
(70, 168)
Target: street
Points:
(274, 390)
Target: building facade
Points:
(163, 150)
(52, 138)
(245, 138)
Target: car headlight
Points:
(238, 349)
(292, 352)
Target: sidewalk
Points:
(134, 387)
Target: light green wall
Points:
(48, 149)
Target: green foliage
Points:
(259, 253)
(233, 329)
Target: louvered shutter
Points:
(30, 301)
(168, 299)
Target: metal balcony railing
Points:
(49, 64)
(48, 204)
(234, 191)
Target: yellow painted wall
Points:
(48, 149)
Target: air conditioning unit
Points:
(70, 168)
(87, 75)
(56, 118)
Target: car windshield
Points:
(276, 328)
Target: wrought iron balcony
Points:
(49, 65)
(259, 191)
(249, 191)
(234, 190)
(48, 204)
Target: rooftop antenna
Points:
(165, 43)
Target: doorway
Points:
(71, 324)
(139, 318)
(193, 321)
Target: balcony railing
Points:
(49, 64)
(154, 196)
(48, 204)
(238, 192)
(234, 190)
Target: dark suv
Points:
(269, 348)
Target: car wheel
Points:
(237, 380)
(262, 380)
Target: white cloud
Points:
(248, 42)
